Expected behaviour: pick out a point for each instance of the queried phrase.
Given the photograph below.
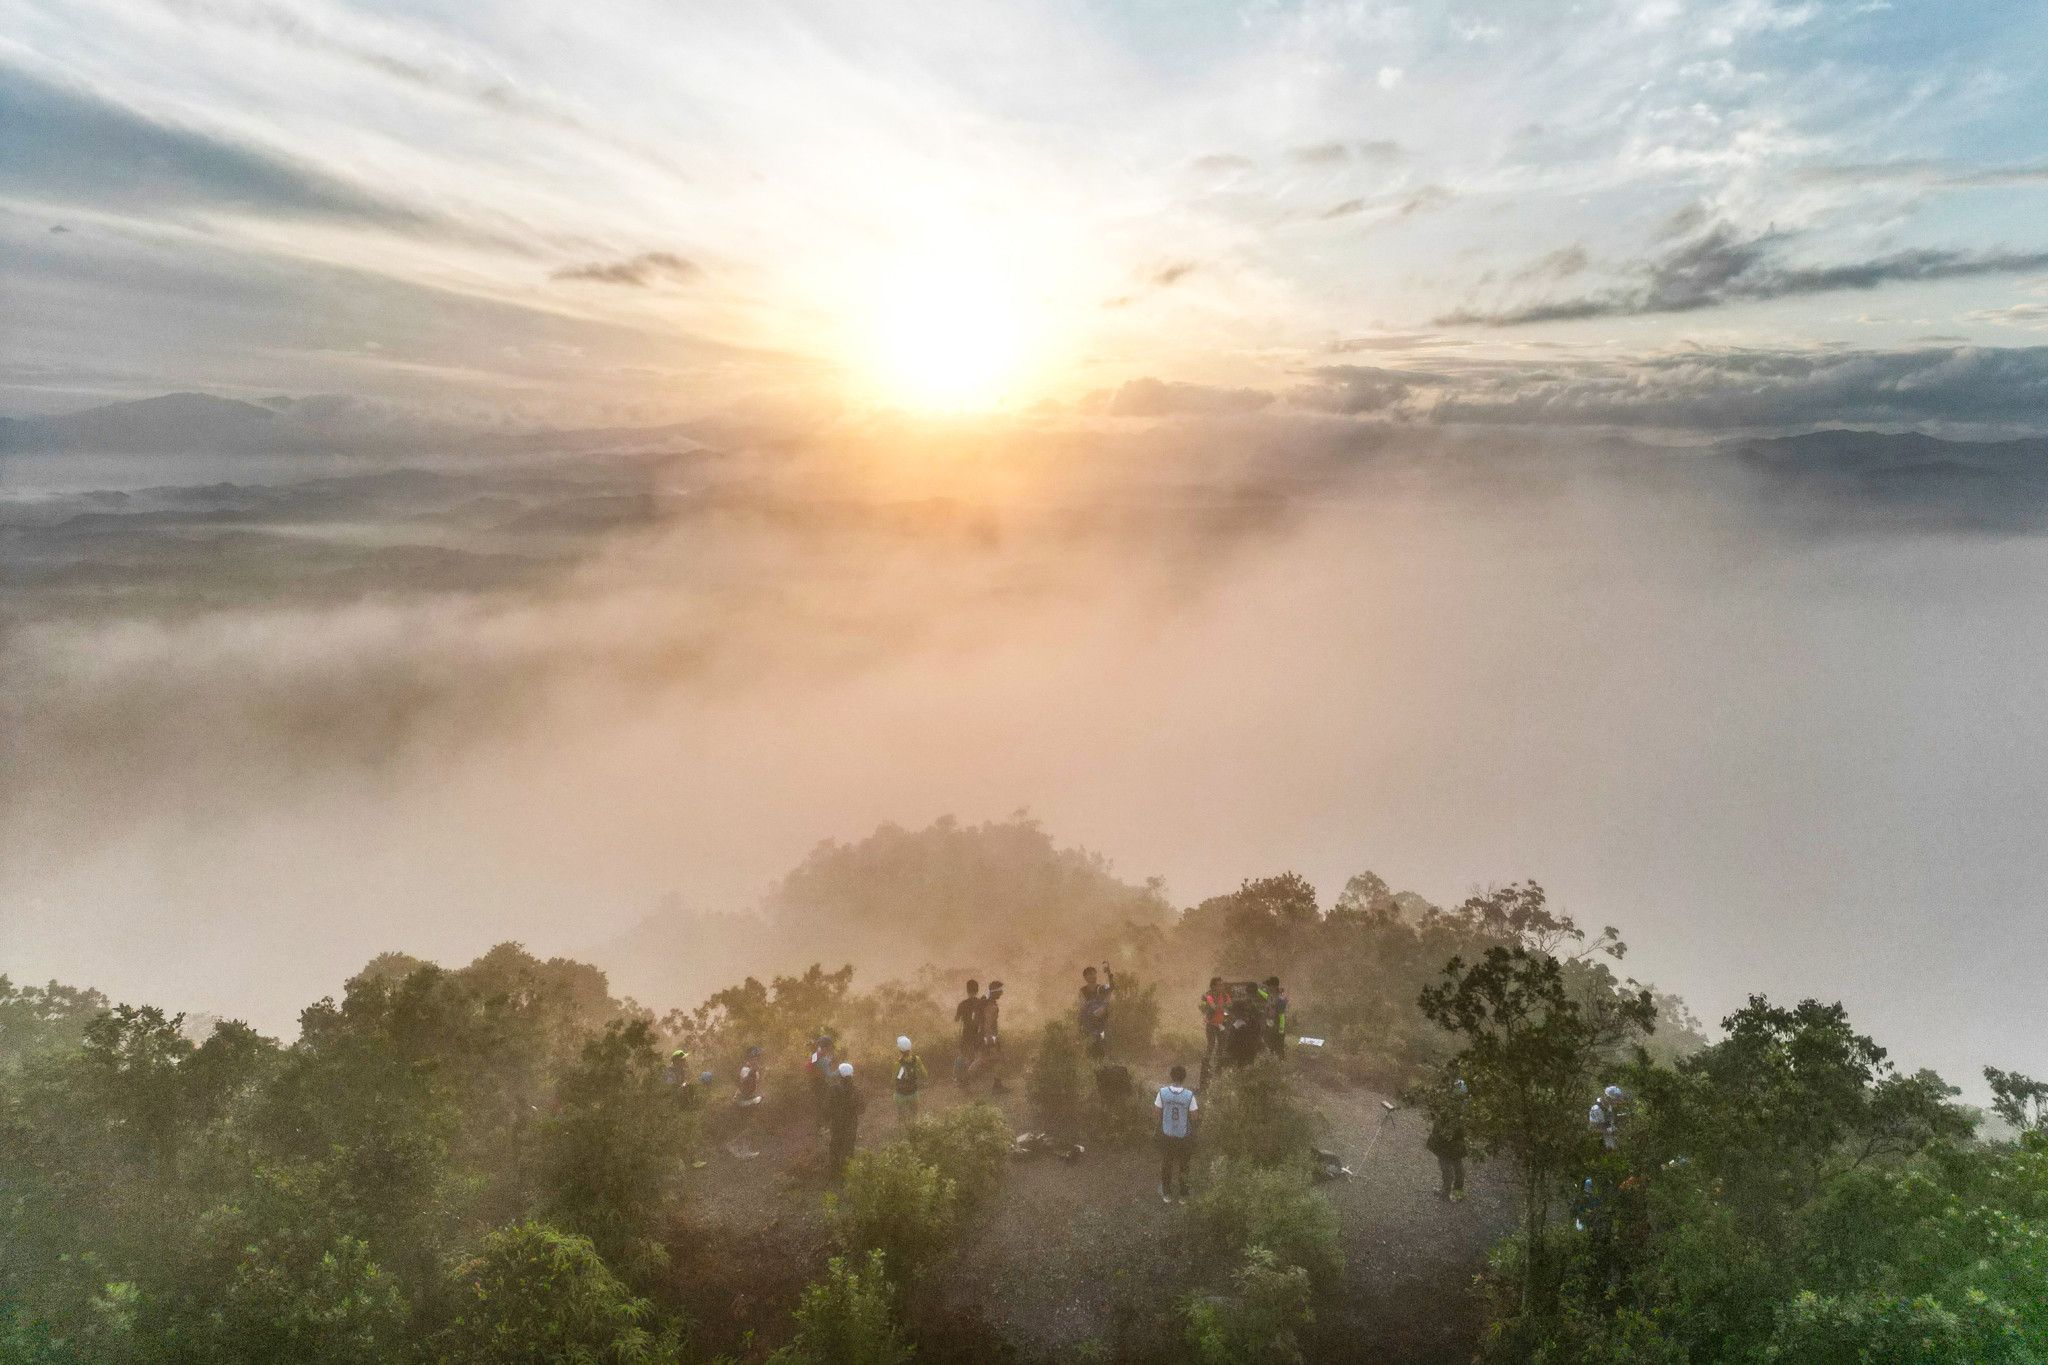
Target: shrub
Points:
(896, 1204)
(847, 1318)
(1058, 1086)
(1259, 1324)
(1251, 1114)
(534, 1296)
(1275, 1207)
(969, 1145)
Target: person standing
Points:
(1215, 1003)
(910, 1077)
(1603, 1119)
(818, 1069)
(1447, 1140)
(992, 1036)
(1095, 999)
(968, 1015)
(845, 1107)
(1276, 1017)
(1177, 1106)
(746, 1101)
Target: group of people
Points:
(1241, 1020)
(981, 1035)
(1448, 1143)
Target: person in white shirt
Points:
(1177, 1106)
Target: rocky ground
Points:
(1082, 1260)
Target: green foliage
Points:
(1252, 1114)
(2020, 1100)
(1531, 1049)
(969, 1145)
(894, 1203)
(1277, 1208)
(611, 1151)
(337, 1308)
(534, 1295)
(42, 1019)
(848, 1318)
(1257, 1324)
(1058, 1085)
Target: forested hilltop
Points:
(507, 1162)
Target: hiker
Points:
(1215, 1004)
(1276, 1018)
(1095, 1009)
(992, 1036)
(747, 1105)
(1176, 1105)
(910, 1075)
(845, 1106)
(1446, 1141)
(818, 1069)
(968, 1014)
(677, 1077)
(1604, 1118)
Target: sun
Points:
(949, 334)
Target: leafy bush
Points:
(337, 1310)
(896, 1204)
(969, 1145)
(1058, 1086)
(1251, 1114)
(537, 1296)
(1275, 1207)
(847, 1318)
(1259, 1324)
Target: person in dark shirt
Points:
(1095, 998)
(968, 1014)
(844, 1109)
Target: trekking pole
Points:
(1381, 1127)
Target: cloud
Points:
(1996, 389)
(2034, 315)
(637, 272)
(1725, 266)
(1381, 150)
(68, 144)
(1561, 264)
(1390, 77)
(1223, 162)
(1423, 200)
(1165, 277)
(1148, 397)
(1344, 210)
(1928, 175)
(1392, 341)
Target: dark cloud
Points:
(1973, 388)
(1724, 266)
(636, 272)
(1163, 398)
(66, 144)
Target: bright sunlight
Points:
(948, 335)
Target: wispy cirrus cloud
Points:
(636, 272)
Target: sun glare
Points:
(949, 335)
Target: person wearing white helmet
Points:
(844, 1110)
(1603, 1119)
(910, 1077)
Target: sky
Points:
(1664, 214)
(1248, 436)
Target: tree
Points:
(1530, 1055)
(894, 1203)
(847, 1318)
(1259, 1323)
(612, 1148)
(534, 1295)
(2020, 1100)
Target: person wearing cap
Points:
(846, 1104)
(910, 1077)
(1603, 1119)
